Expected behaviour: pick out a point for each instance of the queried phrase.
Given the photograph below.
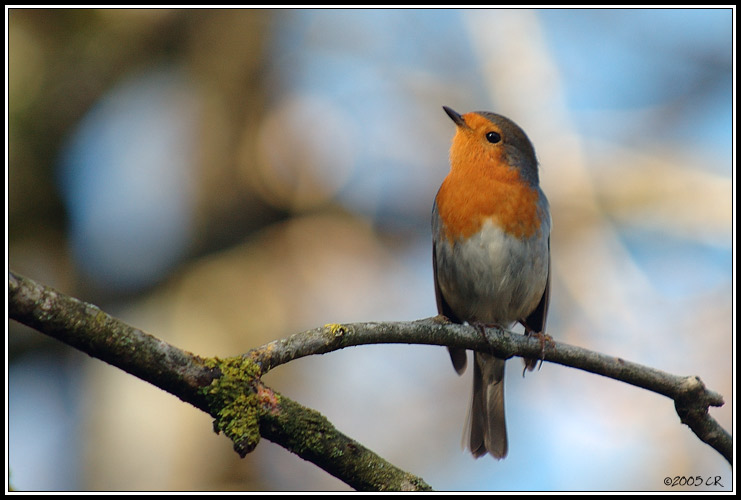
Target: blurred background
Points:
(222, 178)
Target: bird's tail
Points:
(488, 429)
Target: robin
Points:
(491, 254)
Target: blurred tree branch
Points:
(244, 408)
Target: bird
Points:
(491, 228)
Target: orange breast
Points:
(469, 196)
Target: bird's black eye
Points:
(493, 137)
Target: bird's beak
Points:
(458, 119)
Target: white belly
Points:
(493, 277)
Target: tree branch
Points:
(244, 408)
(691, 398)
(230, 390)
(88, 329)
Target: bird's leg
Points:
(481, 328)
(544, 339)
